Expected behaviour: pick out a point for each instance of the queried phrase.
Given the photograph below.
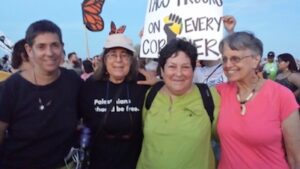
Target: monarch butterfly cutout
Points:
(114, 30)
(91, 10)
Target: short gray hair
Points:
(242, 41)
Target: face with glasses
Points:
(239, 64)
(117, 62)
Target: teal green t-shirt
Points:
(177, 134)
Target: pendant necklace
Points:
(243, 102)
(42, 105)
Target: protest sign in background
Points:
(198, 21)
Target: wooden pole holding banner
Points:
(86, 43)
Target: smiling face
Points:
(239, 64)
(117, 62)
(178, 74)
(46, 52)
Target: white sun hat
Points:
(119, 40)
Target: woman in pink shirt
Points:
(259, 122)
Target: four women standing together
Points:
(258, 123)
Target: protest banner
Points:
(198, 21)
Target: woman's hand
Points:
(229, 23)
(150, 76)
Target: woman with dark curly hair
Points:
(289, 75)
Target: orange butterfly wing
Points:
(91, 10)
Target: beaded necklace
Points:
(243, 102)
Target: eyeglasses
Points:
(234, 59)
(114, 56)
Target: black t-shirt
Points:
(39, 138)
(117, 134)
(285, 82)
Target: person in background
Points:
(112, 101)
(259, 122)
(97, 62)
(259, 71)
(177, 129)
(88, 69)
(270, 68)
(77, 67)
(72, 60)
(5, 64)
(37, 122)
(20, 59)
(73, 63)
(289, 75)
(211, 72)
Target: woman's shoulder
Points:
(15, 83)
(221, 87)
(275, 88)
(15, 78)
(295, 76)
(70, 77)
(92, 81)
(272, 84)
(68, 73)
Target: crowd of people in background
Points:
(240, 111)
(206, 71)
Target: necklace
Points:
(42, 105)
(243, 102)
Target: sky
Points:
(275, 22)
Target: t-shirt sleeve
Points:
(6, 101)
(288, 103)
